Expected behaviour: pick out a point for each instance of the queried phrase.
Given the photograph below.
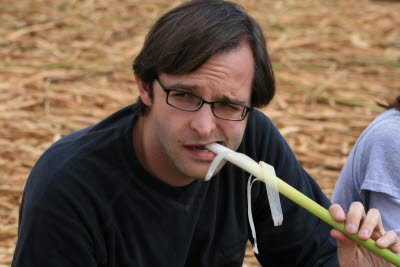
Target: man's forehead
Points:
(222, 66)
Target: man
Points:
(130, 190)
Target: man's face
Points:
(177, 138)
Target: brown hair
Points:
(187, 36)
(394, 104)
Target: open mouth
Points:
(203, 148)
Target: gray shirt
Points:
(371, 174)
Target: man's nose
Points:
(203, 121)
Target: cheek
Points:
(239, 131)
(234, 132)
(170, 124)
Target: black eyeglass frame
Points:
(167, 91)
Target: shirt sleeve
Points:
(378, 158)
(302, 239)
(372, 166)
(386, 204)
(380, 183)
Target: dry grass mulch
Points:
(66, 64)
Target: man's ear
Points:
(144, 91)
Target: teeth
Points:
(200, 148)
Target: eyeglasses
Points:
(186, 101)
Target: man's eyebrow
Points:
(224, 98)
(182, 86)
(232, 100)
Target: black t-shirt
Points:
(88, 202)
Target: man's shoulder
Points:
(257, 124)
(82, 154)
(261, 136)
(95, 137)
(259, 116)
(115, 120)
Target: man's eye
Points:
(180, 95)
(230, 106)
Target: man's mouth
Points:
(202, 148)
(199, 151)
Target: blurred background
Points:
(66, 64)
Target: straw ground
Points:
(66, 64)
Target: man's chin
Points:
(193, 173)
(201, 174)
(194, 169)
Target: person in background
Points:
(371, 174)
(131, 190)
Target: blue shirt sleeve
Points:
(373, 167)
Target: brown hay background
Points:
(66, 64)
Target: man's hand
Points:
(369, 225)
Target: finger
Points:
(389, 240)
(347, 248)
(339, 236)
(376, 235)
(354, 217)
(337, 213)
(371, 223)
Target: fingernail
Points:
(364, 232)
(382, 242)
(338, 214)
(351, 228)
